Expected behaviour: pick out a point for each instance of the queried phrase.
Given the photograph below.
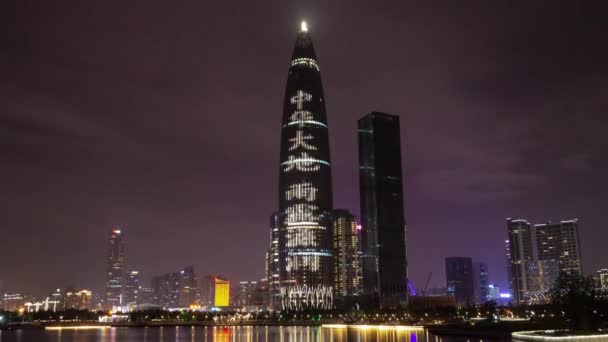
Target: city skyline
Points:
(97, 139)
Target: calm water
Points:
(228, 334)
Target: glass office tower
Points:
(381, 197)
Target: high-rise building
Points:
(272, 264)
(382, 217)
(261, 296)
(542, 275)
(207, 289)
(12, 302)
(347, 260)
(176, 289)
(305, 192)
(246, 292)
(114, 270)
(520, 253)
(79, 300)
(459, 280)
(481, 281)
(508, 264)
(57, 299)
(188, 287)
(559, 241)
(215, 291)
(221, 292)
(493, 292)
(167, 289)
(145, 296)
(132, 286)
(253, 295)
(601, 277)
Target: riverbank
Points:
(495, 330)
(560, 335)
(96, 324)
(485, 330)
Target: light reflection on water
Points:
(228, 334)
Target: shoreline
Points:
(95, 325)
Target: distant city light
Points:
(505, 295)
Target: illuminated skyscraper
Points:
(131, 290)
(559, 242)
(508, 264)
(382, 217)
(114, 270)
(520, 253)
(272, 264)
(305, 194)
(347, 259)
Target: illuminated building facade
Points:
(542, 275)
(58, 299)
(459, 277)
(601, 277)
(215, 291)
(114, 270)
(381, 197)
(520, 253)
(508, 264)
(12, 302)
(79, 300)
(560, 242)
(305, 190)
(347, 259)
(132, 286)
(493, 292)
(221, 292)
(272, 264)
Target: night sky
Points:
(163, 118)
